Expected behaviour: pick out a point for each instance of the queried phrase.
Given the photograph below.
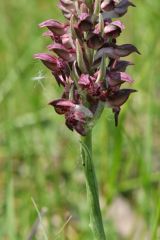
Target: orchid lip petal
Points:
(85, 23)
(125, 3)
(119, 98)
(121, 65)
(121, 76)
(118, 24)
(129, 48)
(95, 41)
(116, 51)
(84, 80)
(116, 10)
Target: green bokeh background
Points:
(39, 156)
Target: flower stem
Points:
(96, 222)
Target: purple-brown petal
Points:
(73, 124)
(124, 4)
(117, 10)
(66, 12)
(121, 66)
(108, 51)
(76, 119)
(107, 5)
(67, 41)
(48, 60)
(61, 51)
(84, 80)
(116, 111)
(116, 51)
(85, 23)
(60, 80)
(113, 26)
(62, 106)
(122, 76)
(54, 26)
(68, 5)
(125, 49)
(118, 24)
(95, 41)
(56, 38)
(119, 98)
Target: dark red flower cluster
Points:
(86, 60)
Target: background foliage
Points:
(39, 156)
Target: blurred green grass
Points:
(39, 157)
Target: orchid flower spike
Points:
(86, 60)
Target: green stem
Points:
(96, 222)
